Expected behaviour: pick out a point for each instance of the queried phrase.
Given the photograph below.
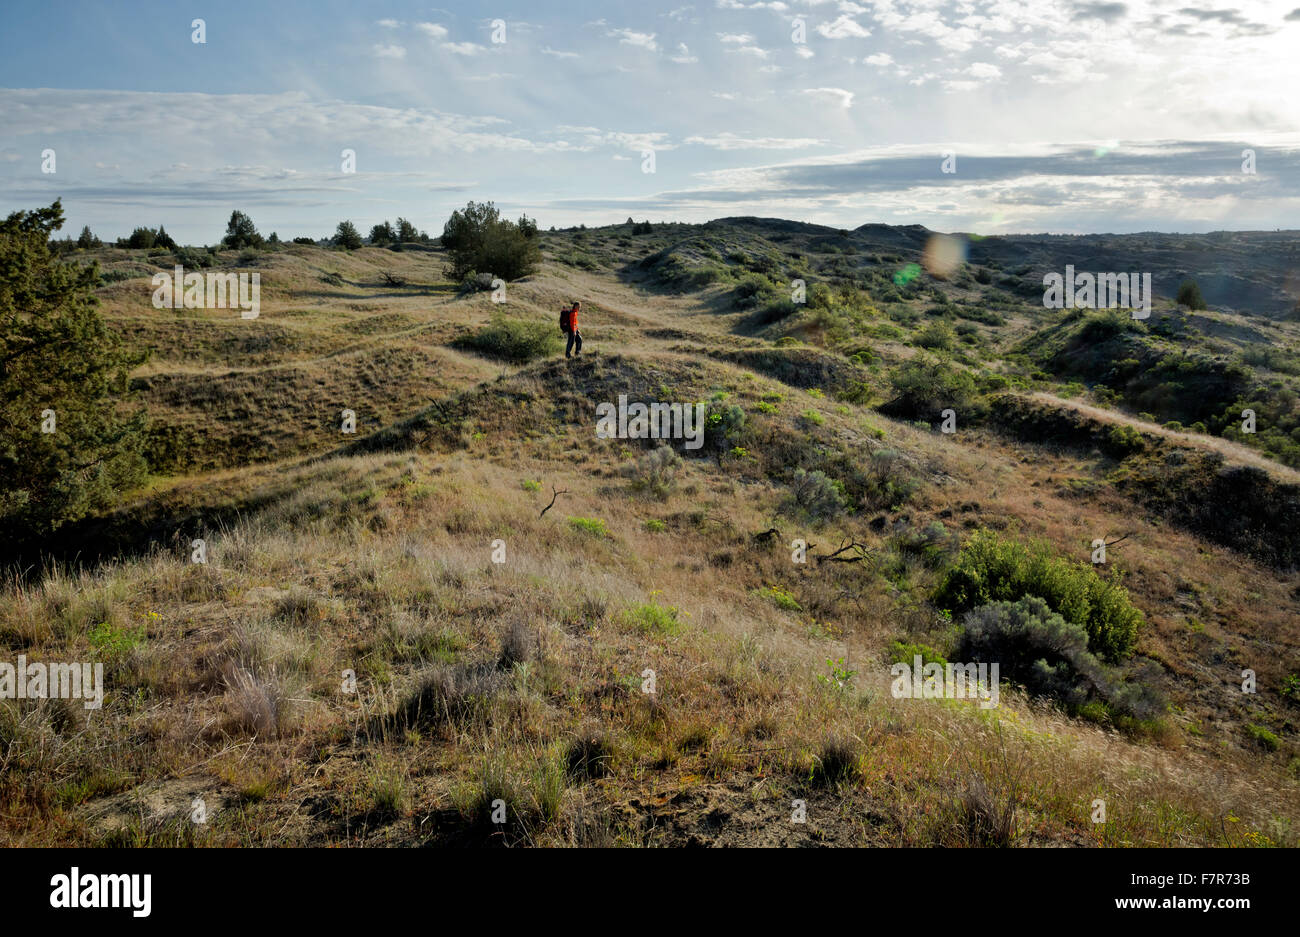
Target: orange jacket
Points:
(569, 319)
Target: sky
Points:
(1052, 115)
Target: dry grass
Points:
(351, 665)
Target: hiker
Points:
(569, 326)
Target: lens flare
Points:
(944, 254)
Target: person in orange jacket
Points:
(569, 326)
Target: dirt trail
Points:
(1232, 451)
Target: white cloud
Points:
(742, 39)
(389, 24)
(984, 70)
(462, 48)
(683, 56)
(631, 37)
(547, 50)
(844, 28)
(803, 52)
(880, 59)
(732, 141)
(432, 30)
(388, 52)
(845, 98)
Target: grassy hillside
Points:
(501, 651)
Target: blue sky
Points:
(1063, 116)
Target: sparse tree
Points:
(141, 238)
(1189, 295)
(88, 241)
(382, 234)
(347, 236)
(61, 368)
(240, 232)
(479, 239)
(162, 239)
(406, 232)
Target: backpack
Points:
(566, 319)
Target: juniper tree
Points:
(69, 448)
(240, 232)
(347, 236)
(1189, 295)
(479, 239)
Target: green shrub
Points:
(654, 471)
(1262, 737)
(782, 598)
(936, 336)
(927, 385)
(1189, 295)
(888, 479)
(752, 290)
(724, 427)
(1124, 440)
(817, 495)
(1037, 647)
(653, 618)
(514, 340)
(900, 652)
(990, 569)
(593, 526)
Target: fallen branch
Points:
(860, 553)
(393, 279)
(554, 494)
(1121, 539)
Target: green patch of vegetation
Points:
(653, 618)
(927, 385)
(1262, 737)
(838, 675)
(991, 569)
(114, 643)
(901, 652)
(781, 598)
(816, 495)
(515, 340)
(592, 526)
(1050, 656)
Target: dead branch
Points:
(554, 494)
(1120, 540)
(860, 552)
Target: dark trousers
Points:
(574, 344)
